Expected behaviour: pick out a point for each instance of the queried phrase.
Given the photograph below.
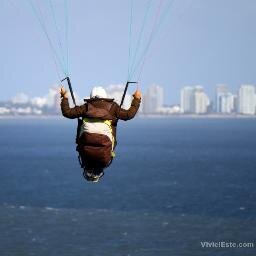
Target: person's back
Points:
(97, 134)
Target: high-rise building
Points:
(221, 89)
(236, 105)
(201, 100)
(194, 100)
(227, 103)
(246, 99)
(187, 100)
(153, 99)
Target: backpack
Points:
(95, 139)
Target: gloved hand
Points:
(63, 92)
(137, 94)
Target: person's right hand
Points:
(137, 94)
(63, 92)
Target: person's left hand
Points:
(63, 92)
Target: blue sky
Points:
(203, 42)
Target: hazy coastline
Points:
(142, 116)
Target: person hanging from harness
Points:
(96, 136)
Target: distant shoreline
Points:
(194, 116)
(32, 117)
(149, 116)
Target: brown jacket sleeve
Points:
(124, 114)
(72, 113)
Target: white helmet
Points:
(98, 92)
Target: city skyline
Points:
(193, 100)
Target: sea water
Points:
(175, 183)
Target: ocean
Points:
(174, 184)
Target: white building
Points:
(20, 98)
(116, 92)
(169, 110)
(227, 103)
(246, 100)
(4, 111)
(221, 89)
(201, 100)
(153, 99)
(187, 100)
(194, 100)
(38, 102)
